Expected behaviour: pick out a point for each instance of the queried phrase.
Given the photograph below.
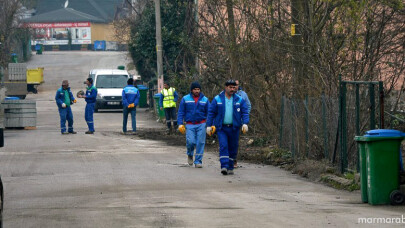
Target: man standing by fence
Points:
(130, 99)
(228, 112)
(194, 110)
(167, 101)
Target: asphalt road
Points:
(113, 180)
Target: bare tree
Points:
(8, 26)
(362, 40)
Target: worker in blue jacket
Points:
(130, 99)
(90, 98)
(244, 95)
(193, 113)
(228, 114)
(64, 99)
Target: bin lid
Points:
(12, 98)
(384, 133)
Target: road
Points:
(113, 180)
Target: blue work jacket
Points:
(130, 94)
(246, 98)
(60, 97)
(190, 111)
(216, 111)
(91, 94)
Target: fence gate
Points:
(342, 125)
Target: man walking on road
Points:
(130, 99)
(90, 97)
(228, 112)
(243, 94)
(167, 102)
(194, 110)
(64, 99)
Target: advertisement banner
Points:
(59, 25)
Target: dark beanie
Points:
(195, 85)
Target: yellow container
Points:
(35, 76)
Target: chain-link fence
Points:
(312, 127)
(308, 127)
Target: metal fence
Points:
(308, 127)
(311, 127)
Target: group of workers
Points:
(226, 115)
(64, 99)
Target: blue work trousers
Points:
(88, 115)
(195, 138)
(66, 114)
(125, 112)
(228, 138)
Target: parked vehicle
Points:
(109, 84)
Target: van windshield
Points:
(111, 81)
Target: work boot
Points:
(73, 132)
(168, 131)
(190, 160)
(198, 165)
(224, 171)
(230, 172)
(65, 133)
(235, 164)
(89, 132)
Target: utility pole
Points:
(159, 46)
(297, 73)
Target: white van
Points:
(109, 84)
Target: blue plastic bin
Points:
(99, 45)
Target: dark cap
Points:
(90, 80)
(195, 85)
(130, 81)
(230, 82)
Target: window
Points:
(111, 81)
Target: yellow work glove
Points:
(245, 128)
(210, 130)
(182, 129)
(131, 105)
(74, 101)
